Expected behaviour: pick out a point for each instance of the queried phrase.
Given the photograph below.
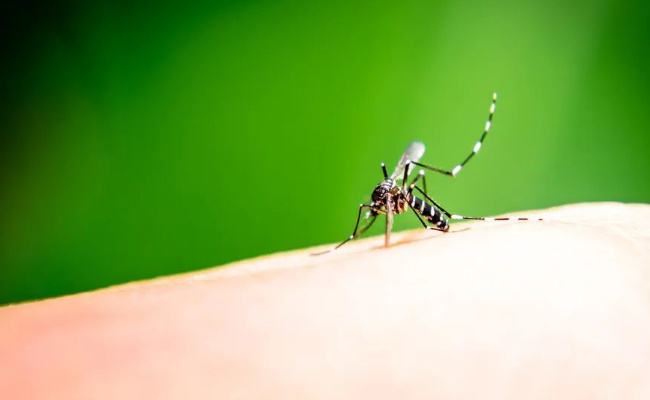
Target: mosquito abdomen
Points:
(432, 214)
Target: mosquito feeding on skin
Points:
(390, 197)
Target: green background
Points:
(145, 139)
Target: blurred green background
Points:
(143, 139)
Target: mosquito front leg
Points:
(371, 220)
(354, 233)
(475, 150)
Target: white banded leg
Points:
(475, 150)
(456, 216)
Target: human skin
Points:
(492, 310)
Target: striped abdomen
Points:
(429, 212)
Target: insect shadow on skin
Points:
(391, 197)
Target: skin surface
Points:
(494, 310)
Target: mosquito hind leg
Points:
(477, 146)
(456, 216)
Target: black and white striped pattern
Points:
(477, 146)
(432, 214)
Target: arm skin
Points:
(513, 310)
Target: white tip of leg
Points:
(383, 165)
(456, 169)
(351, 236)
(477, 147)
(487, 125)
(421, 172)
(494, 96)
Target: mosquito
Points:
(391, 197)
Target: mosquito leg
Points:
(415, 181)
(424, 224)
(368, 225)
(354, 233)
(475, 150)
(435, 203)
(424, 181)
(455, 216)
(407, 171)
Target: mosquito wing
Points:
(413, 152)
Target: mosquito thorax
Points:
(382, 190)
